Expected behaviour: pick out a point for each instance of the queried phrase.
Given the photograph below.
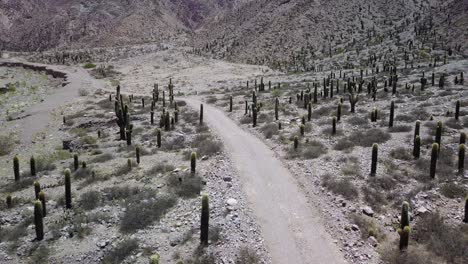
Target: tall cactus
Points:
(461, 159)
(438, 137)
(158, 138)
(9, 201)
(254, 115)
(338, 113)
(353, 99)
(392, 114)
(276, 109)
(68, 197)
(405, 218)
(462, 138)
(296, 142)
(76, 163)
(38, 220)
(309, 111)
(193, 162)
(42, 198)
(302, 129)
(137, 153)
(32, 165)
(434, 157)
(334, 126)
(37, 189)
(466, 210)
(201, 114)
(205, 220)
(404, 237)
(375, 151)
(417, 147)
(417, 129)
(230, 103)
(16, 169)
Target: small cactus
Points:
(37, 189)
(9, 201)
(309, 112)
(276, 108)
(434, 157)
(338, 113)
(462, 138)
(76, 163)
(152, 117)
(461, 159)
(417, 128)
(16, 169)
(38, 220)
(129, 164)
(68, 197)
(158, 138)
(405, 218)
(84, 165)
(137, 152)
(375, 150)
(43, 201)
(438, 137)
(205, 219)
(201, 114)
(230, 103)
(392, 114)
(404, 237)
(154, 259)
(296, 143)
(417, 147)
(457, 110)
(302, 129)
(334, 126)
(193, 162)
(32, 165)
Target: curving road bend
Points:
(292, 229)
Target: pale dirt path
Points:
(292, 229)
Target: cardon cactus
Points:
(193, 162)
(417, 147)
(37, 189)
(296, 142)
(276, 108)
(466, 210)
(16, 169)
(68, 197)
(438, 137)
(334, 126)
(137, 152)
(205, 219)
(434, 157)
(338, 113)
(42, 198)
(392, 114)
(201, 114)
(375, 150)
(404, 237)
(9, 201)
(158, 138)
(417, 128)
(405, 218)
(461, 159)
(230, 103)
(76, 163)
(462, 138)
(129, 164)
(302, 129)
(32, 165)
(38, 220)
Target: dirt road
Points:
(292, 229)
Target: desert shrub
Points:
(211, 99)
(448, 242)
(247, 255)
(89, 65)
(358, 121)
(245, 120)
(185, 185)
(145, 208)
(90, 200)
(45, 161)
(120, 251)
(160, 167)
(351, 167)
(40, 254)
(88, 140)
(82, 173)
(416, 114)
(23, 183)
(452, 123)
(14, 233)
(400, 129)
(191, 117)
(368, 137)
(367, 227)
(205, 145)
(309, 150)
(401, 153)
(174, 143)
(105, 104)
(102, 158)
(343, 187)
(413, 255)
(374, 197)
(119, 192)
(83, 92)
(7, 144)
(452, 190)
(123, 169)
(344, 144)
(323, 111)
(269, 130)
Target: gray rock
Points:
(373, 241)
(368, 211)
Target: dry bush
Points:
(452, 190)
(374, 197)
(160, 167)
(7, 144)
(363, 138)
(144, 208)
(367, 227)
(452, 123)
(418, 113)
(245, 120)
(400, 129)
(446, 241)
(205, 145)
(82, 173)
(343, 187)
(119, 192)
(358, 121)
(402, 153)
(185, 185)
(211, 99)
(247, 255)
(269, 130)
(90, 200)
(120, 251)
(102, 158)
(390, 254)
(308, 150)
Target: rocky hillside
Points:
(30, 25)
(281, 31)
